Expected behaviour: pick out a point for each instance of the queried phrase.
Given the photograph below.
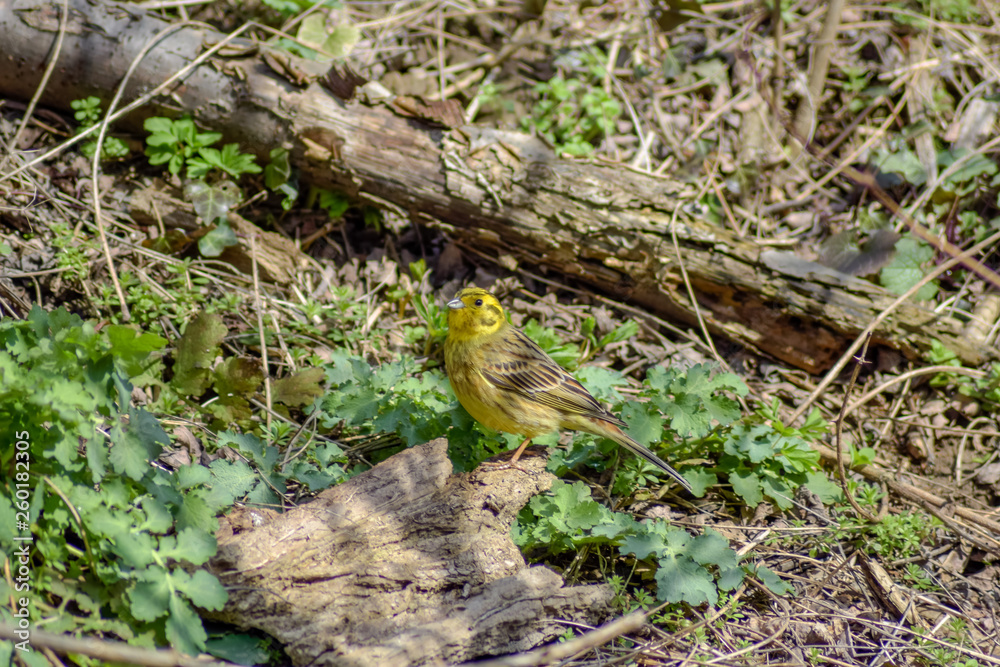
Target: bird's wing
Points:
(528, 371)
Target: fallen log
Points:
(501, 193)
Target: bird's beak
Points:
(456, 304)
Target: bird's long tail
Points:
(623, 439)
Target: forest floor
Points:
(718, 95)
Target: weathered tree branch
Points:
(405, 564)
(503, 193)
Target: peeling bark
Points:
(405, 564)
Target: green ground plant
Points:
(109, 531)
(211, 172)
(87, 112)
(573, 113)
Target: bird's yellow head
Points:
(474, 313)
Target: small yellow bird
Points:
(508, 383)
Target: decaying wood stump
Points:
(405, 564)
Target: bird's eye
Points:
(479, 302)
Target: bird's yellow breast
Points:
(495, 407)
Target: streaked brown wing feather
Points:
(532, 373)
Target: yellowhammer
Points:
(508, 383)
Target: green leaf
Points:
(184, 628)
(192, 545)
(135, 549)
(774, 583)
(644, 424)
(97, 458)
(216, 241)
(341, 42)
(681, 579)
(213, 202)
(624, 332)
(747, 485)
(196, 513)
(278, 170)
(131, 347)
(131, 453)
(644, 544)
(711, 548)
(239, 649)
(334, 203)
(906, 270)
(905, 163)
(231, 479)
(700, 480)
(976, 166)
(603, 383)
(150, 598)
(190, 476)
(298, 389)
(196, 351)
(203, 589)
(359, 407)
(312, 30)
(158, 517)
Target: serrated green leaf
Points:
(603, 383)
(204, 590)
(195, 546)
(822, 486)
(132, 347)
(681, 579)
(158, 517)
(135, 549)
(195, 512)
(150, 597)
(619, 525)
(644, 544)
(645, 425)
(755, 444)
(234, 478)
(730, 577)
(711, 548)
(747, 485)
(262, 494)
(779, 490)
(190, 476)
(359, 407)
(184, 629)
(130, 455)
